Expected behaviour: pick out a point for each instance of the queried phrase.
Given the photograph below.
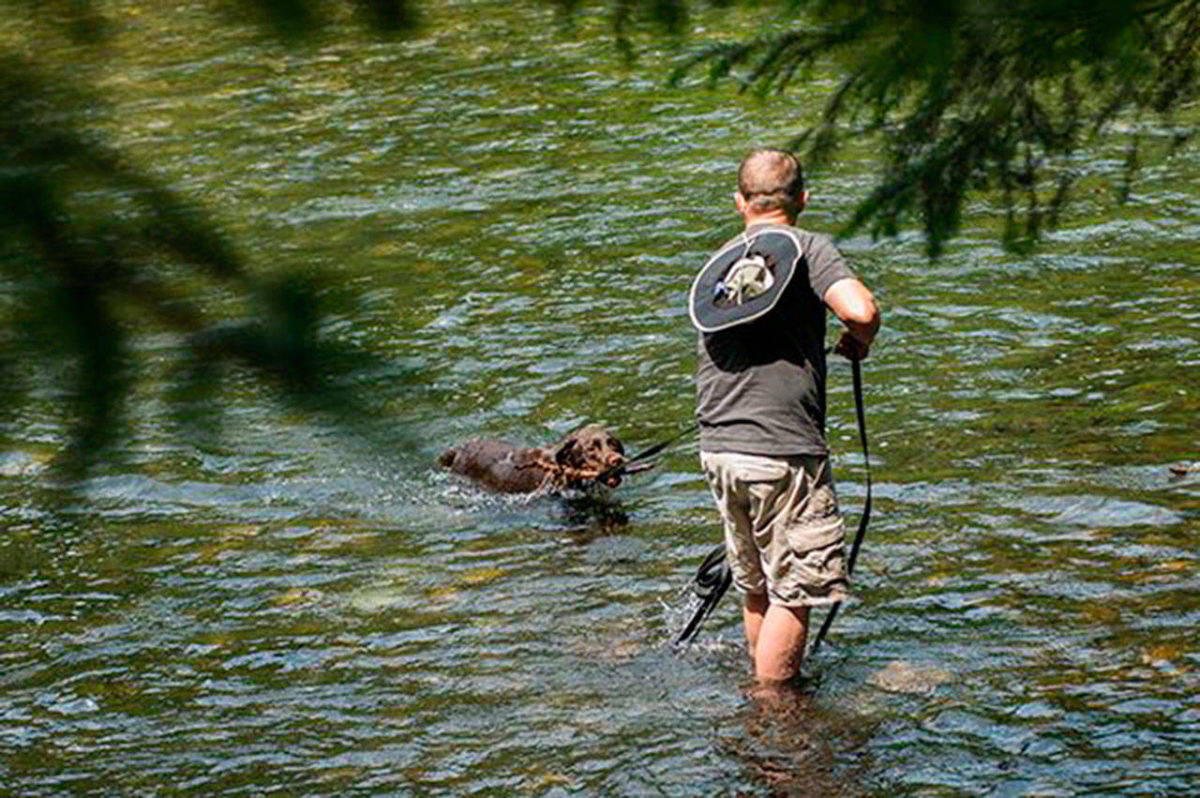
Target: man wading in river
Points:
(760, 384)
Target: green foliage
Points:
(965, 96)
(974, 95)
(95, 254)
(296, 19)
(80, 19)
(85, 21)
(669, 16)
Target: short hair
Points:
(770, 178)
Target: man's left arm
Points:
(854, 304)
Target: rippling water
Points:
(519, 215)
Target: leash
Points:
(559, 476)
(710, 583)
(714, 576)
(692, 429)
(633, 465)
(856, 371)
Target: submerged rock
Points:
(906, 677)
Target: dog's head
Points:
(591, 449)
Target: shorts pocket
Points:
(819, 505)
(814, 534)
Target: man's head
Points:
(770, 184)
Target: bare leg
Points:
(780, 643)
(754, 605)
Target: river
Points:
(512, 216)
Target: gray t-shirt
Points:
(760, 386)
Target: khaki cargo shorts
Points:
(783, 531)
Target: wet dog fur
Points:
(574, 463)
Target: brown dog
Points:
(575, 462)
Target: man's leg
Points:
(780, 645)
(754, 605)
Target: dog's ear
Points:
(568, 452)
(616, 445)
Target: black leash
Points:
(658, 447)
(710, 583)
(714, 576)
(633, 465)
(866, 511)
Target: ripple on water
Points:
(285, 610)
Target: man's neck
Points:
(777, 216)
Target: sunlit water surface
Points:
(517, 215)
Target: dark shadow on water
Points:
(589, 515)
(792, 745)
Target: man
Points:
(761, 409)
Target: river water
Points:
(515, 215)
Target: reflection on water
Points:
(520, 218)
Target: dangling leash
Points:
(710, 583)
(856, 371)
(714, 575)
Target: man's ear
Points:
(739, 202)
(801, 201)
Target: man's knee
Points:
(755, 602)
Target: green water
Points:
(517, 216)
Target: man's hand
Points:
(850, 347)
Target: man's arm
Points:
(854, 304)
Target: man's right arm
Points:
(854, 304)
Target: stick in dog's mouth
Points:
(612, 476)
